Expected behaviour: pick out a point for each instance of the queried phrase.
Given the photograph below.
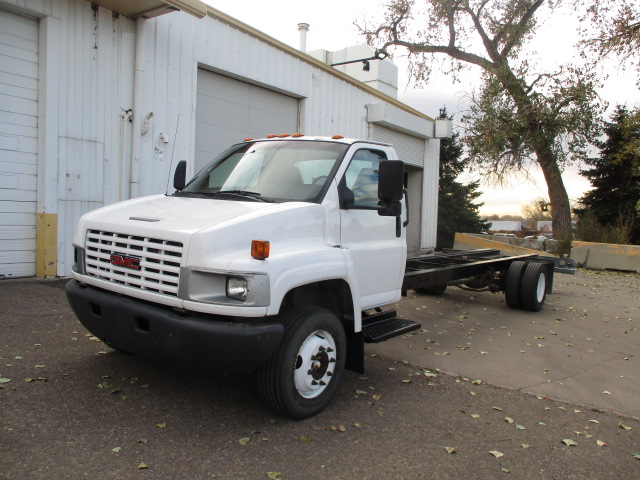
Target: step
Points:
(386, 328)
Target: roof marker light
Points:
(337, 137)
(297, 135)
(248, 139)
(271, 135)
(284, 135)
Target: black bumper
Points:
(150, 331)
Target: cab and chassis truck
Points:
(280, 257)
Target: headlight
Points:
(237, 288)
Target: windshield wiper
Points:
(243, 193)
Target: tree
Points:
(457, 211)
(615, 177)
(617, 29)
(520, 115)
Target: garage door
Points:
(410, 149)
(18, 143)
(230, 110)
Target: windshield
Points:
(281, 171)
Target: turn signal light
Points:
(260, 249)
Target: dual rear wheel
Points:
(526, 285)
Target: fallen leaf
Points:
(451, 450)
(244, 440)
(116, 449)
(508, 419)
(600, 443)
(342, 428)
(407, 381)
(569, 443)
(360, 392)
(305, 439)
(4, 380)
(142, 466)
(357, 424)
(496, 453)
(594, 421)
(520, 427)
(161, 425)
(524, 445)
(636, 456)
(505, 470)
(273, 475)
(142, 440)
(607, 392)
(624, 426)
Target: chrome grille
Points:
(158, 260)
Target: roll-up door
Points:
(229, 110)
(18, 143)
(410, 149)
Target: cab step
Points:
(382, 326)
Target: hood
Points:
(184, 214)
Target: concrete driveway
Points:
(71, 408)
(583, 347)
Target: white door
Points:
(230, 110)
(377, 251)
(18, 143)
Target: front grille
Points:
(158, 260)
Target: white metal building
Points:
(96, 98)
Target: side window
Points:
(361, 177)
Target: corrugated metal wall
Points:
(96, 87)
(175, 44)
(91, 155)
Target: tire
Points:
(513, 282)
(302, 376)
(534, 287)
(434, 290)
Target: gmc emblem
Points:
(125, 261)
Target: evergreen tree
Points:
(615, 177)
(457, 211)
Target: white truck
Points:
(277, 258)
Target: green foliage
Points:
(457, 210)
(609, 209)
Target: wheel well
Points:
(332, 295)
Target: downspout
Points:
(138, 78)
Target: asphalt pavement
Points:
(481, 391)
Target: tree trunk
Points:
(561, 209)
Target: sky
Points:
(332, 28)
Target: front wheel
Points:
(303, 374)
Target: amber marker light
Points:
(248, 139)
(337, 137)
(260, 249)
(271, 135)
(297, 135)
(284, 135)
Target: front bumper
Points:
(150, 331)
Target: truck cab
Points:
(264, 261)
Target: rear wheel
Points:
(513, 282)
(303, 374)
(534, 287)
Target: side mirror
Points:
(180, 175)
(390, 181)
(390, 187)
